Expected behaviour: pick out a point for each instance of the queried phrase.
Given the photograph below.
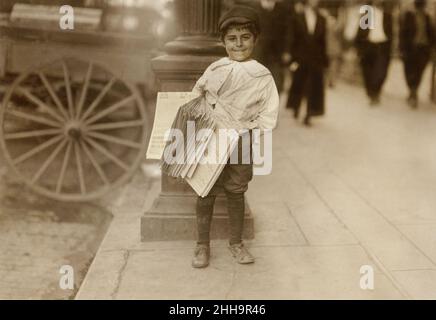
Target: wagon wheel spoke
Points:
(111, 109)
(106, 153)
(53, 94)
(31, 134)
(97, 100)
(115, 125)
(64, 168)
(113, 139)
(80, 168)
(68, 89)
(94, 162)
(33, 118)
(36, 150)
(84, 91)
(40, 103)
(49, 161)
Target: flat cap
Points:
(238, 14)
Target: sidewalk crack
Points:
(126, 256)
(231, 282)
(296, 223)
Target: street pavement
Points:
(355, 190)
(39, 236)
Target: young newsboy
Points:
(243, 92)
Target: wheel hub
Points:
(73, 130)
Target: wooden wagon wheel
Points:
(73, 141)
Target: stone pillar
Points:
(172, 216)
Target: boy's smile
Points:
(239, 44)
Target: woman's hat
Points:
(238, 15)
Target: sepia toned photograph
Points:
(193, 150)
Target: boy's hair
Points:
(250, 26)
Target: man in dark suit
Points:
(374, 45)
(269, 49)
(306, 40)
(416, 41)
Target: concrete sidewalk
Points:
(356, 189)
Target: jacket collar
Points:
(220, 63)
(252, 67)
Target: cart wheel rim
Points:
(74, 143)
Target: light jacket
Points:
(243, 94)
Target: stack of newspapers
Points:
(212, 162)
(198, 147)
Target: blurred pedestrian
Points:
(416, 42)
(374, 45)
(334, 46)
(269, 48)
(307, 47)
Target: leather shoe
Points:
(241, 254)
(201, 256)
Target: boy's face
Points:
(239, 43)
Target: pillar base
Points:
(172, 217)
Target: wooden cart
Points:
(73, 123)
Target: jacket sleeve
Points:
(325, 57)
(269, 110)
(431, 31)
(404, 32)
(389, 25)
(359, 40)
(200, 85)
(289, 37)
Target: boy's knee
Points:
(206, 201)
(235, 188)
(234, 196)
